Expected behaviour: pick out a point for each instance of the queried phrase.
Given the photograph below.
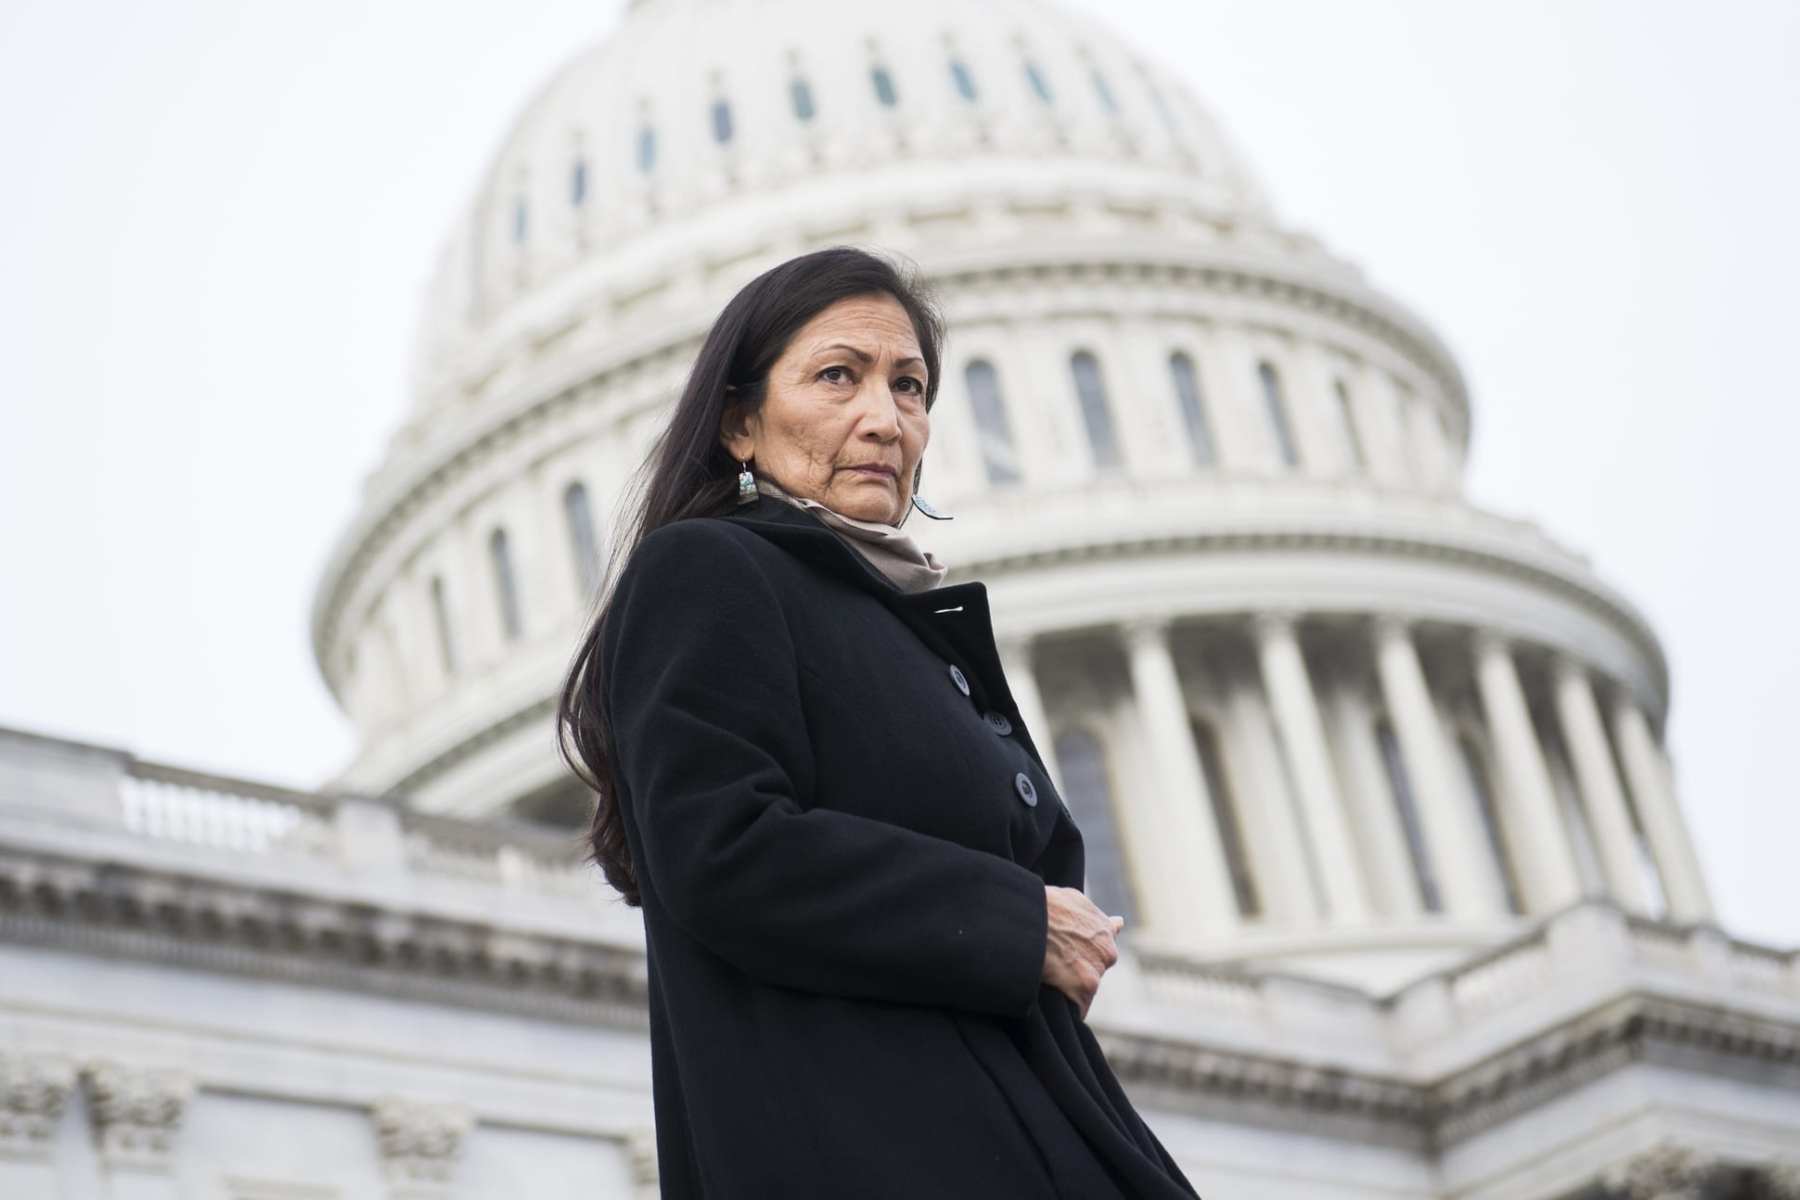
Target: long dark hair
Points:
(688, 473)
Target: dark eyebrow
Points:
(865, 356)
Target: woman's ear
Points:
(735, 432)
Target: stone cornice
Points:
(1435, 1114)
(118, 910)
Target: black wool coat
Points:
(842, 831)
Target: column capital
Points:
(1013, 643)
(1488, 642)
(1278, 621)
(1148, 627)
(1389, 626)
(420, 1141)
(136, 1112)
(1566, 666)
(34, 1091)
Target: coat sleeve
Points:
(713, 751)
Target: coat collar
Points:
(802, 533)
(953, 619)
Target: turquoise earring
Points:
(746, 483)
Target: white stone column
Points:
(1188, 862)
(1387, 867)
(1302, 738)
(1684, 884)
(1274, 841)
(1528, 809)
(1021, 680)
(1602, 794)
(1460, 861)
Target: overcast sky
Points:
(220, 216)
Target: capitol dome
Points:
(1310, 706)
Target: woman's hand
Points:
(1080, 946)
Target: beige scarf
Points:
(888, 548)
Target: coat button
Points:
(1022, 784)
(1000, 724)
(958, 678)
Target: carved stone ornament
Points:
(1666, 1172)
(34, 1090)
(421, 1142)
(136, 1111)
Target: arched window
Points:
(440, 611)
(584, 545)
(721, 120)
(1105, 93)
(1407, 806)
(1088, 789)
(506, 584)
(646, 149)
(1275, 408)
(1476, 771)
(1193, 409)
(884, 86)
(519, 219)
(1102, 438)
(965, 82)
(801, 94)
(1225, 818)
(578, 182)
(992, 430)
(1353, 447)
(1038, 84)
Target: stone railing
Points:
(50, 784)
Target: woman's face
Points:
(847, 394)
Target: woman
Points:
(870, 962)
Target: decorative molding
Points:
(121, 911)
(34, 1091)
(136, 1112)
(421, 1142)
(1469, 1100)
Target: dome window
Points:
(506, 584)
(1036, 78)
(992, 430)
(578, 182)
(440, 611)
(965, 82)
(578, 514)
(519, 225)
(1275, 409)
(646, 149)
(1353, 447)
(1103, 439)
(884, 86)
(1193, 410)
(1104, 92)
(1088, 789)
(801, 95)
(721, 121)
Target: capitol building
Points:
(1378, 777)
